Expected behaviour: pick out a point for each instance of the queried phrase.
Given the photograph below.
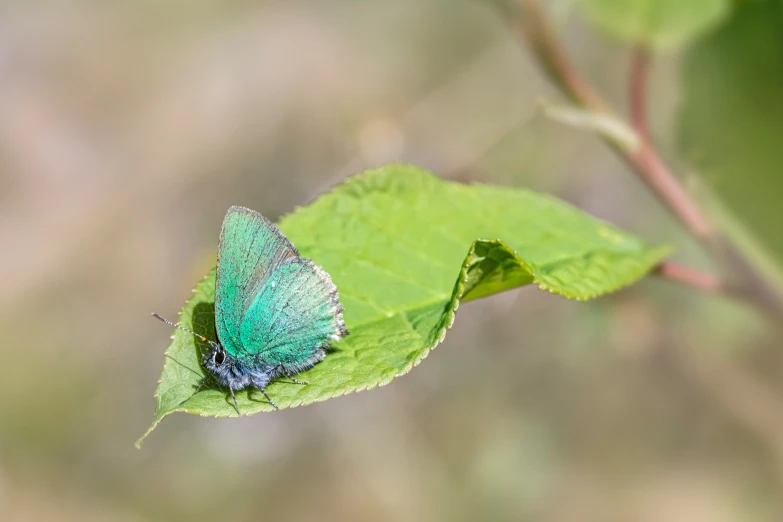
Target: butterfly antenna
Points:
(177, 325)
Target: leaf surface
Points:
(404, 249)
(656, 23)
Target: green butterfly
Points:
(275, 312)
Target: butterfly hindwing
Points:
(293, 316)
(250, 250)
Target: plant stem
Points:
(749, 402)
(685, 275)
(649, 165)
(533, 29)
(688, 276)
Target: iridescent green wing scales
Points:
(295, 313)
(250, 249)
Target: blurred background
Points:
(128, 128)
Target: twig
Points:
(749, 402)
(639, 66)
(533, 29)
(649, 165)
(689, 276)
(746, 283)
(705, 282)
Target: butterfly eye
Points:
(218, 357)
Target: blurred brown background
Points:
(128, 128)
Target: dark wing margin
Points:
(295, 314)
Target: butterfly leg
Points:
(288, 376)
(235, 399)
(203, 382)
(268, 398)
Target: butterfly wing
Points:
(293, 316)
(250, 249)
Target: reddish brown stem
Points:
(535, 31)
(639, 66)
(689, 276)
(649, 165)
(532, 28)
(747, 400)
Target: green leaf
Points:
(656, 23)
(730, 127)
(404, 249)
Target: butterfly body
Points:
(237, 373)
(275, 312)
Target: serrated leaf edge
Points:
(446, 322)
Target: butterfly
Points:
(275, 311)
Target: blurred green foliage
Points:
(656, 23)
(731, 119)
